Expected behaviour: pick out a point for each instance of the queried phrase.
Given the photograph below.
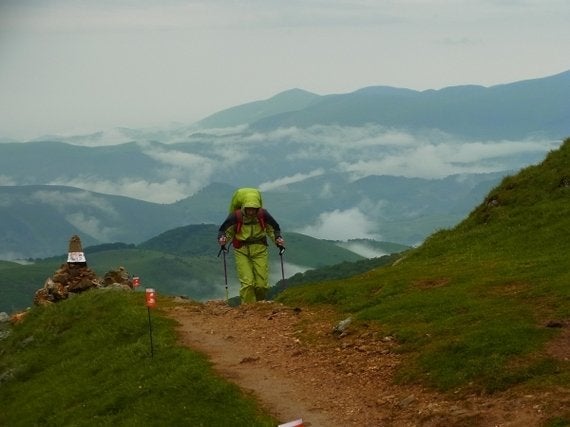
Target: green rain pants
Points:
(252, 264)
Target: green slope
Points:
(472, 310)
(472, 305)
(184, 261)
(87, 362)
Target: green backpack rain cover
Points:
(246, 197)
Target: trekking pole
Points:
(281, 250)
(224, 250)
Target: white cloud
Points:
(327, 191)
(433, 159)
(272, 185)
(359, 151)
(376, 150)
(7, 180)
(166, 191)
(72, 206)
(193, 168)
(362, 249)
(91, 226)
(180, 159)
(15, 257)
(289, 269)
(69, 200)
(342, 225)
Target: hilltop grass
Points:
(470, 306)
(183, 269)
(87, 362)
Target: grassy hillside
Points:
(183, 261)
(50, 374)
(472, 306)
(338, 271)
(479, 308)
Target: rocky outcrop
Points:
(75, 276)
(72, 279)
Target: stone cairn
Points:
(75, 277)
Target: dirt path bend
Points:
(298, 368)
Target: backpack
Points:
(243, 195)
(246, 196)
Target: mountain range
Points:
(381, 163)
(36, 221)
(516, 110)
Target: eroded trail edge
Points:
(291, 360)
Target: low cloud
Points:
(91, 226)
(272, 185)
(15, 257)
(289, 269)
(431, 160)
(327, 191)
(362, 249)
(179, 159)
(342, 225)
(166, 191)
(7, 180)
(308, 152)
(69, 200)
(376, 150)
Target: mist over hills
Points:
(382, 163)
(36, 221)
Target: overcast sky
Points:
(76, 66)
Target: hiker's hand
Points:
(222, 240)
(280, 242)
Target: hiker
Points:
(248, 226)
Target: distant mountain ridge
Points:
(381, 162)
(290, 100)
(536, 107)
(36, 220)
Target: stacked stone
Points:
(75, 277)
(118, 278)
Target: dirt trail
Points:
(298, 368)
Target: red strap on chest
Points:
(239, 218)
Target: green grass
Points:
(87, 362)
(187, 261)
(469, 307)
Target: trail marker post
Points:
(150, 303)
